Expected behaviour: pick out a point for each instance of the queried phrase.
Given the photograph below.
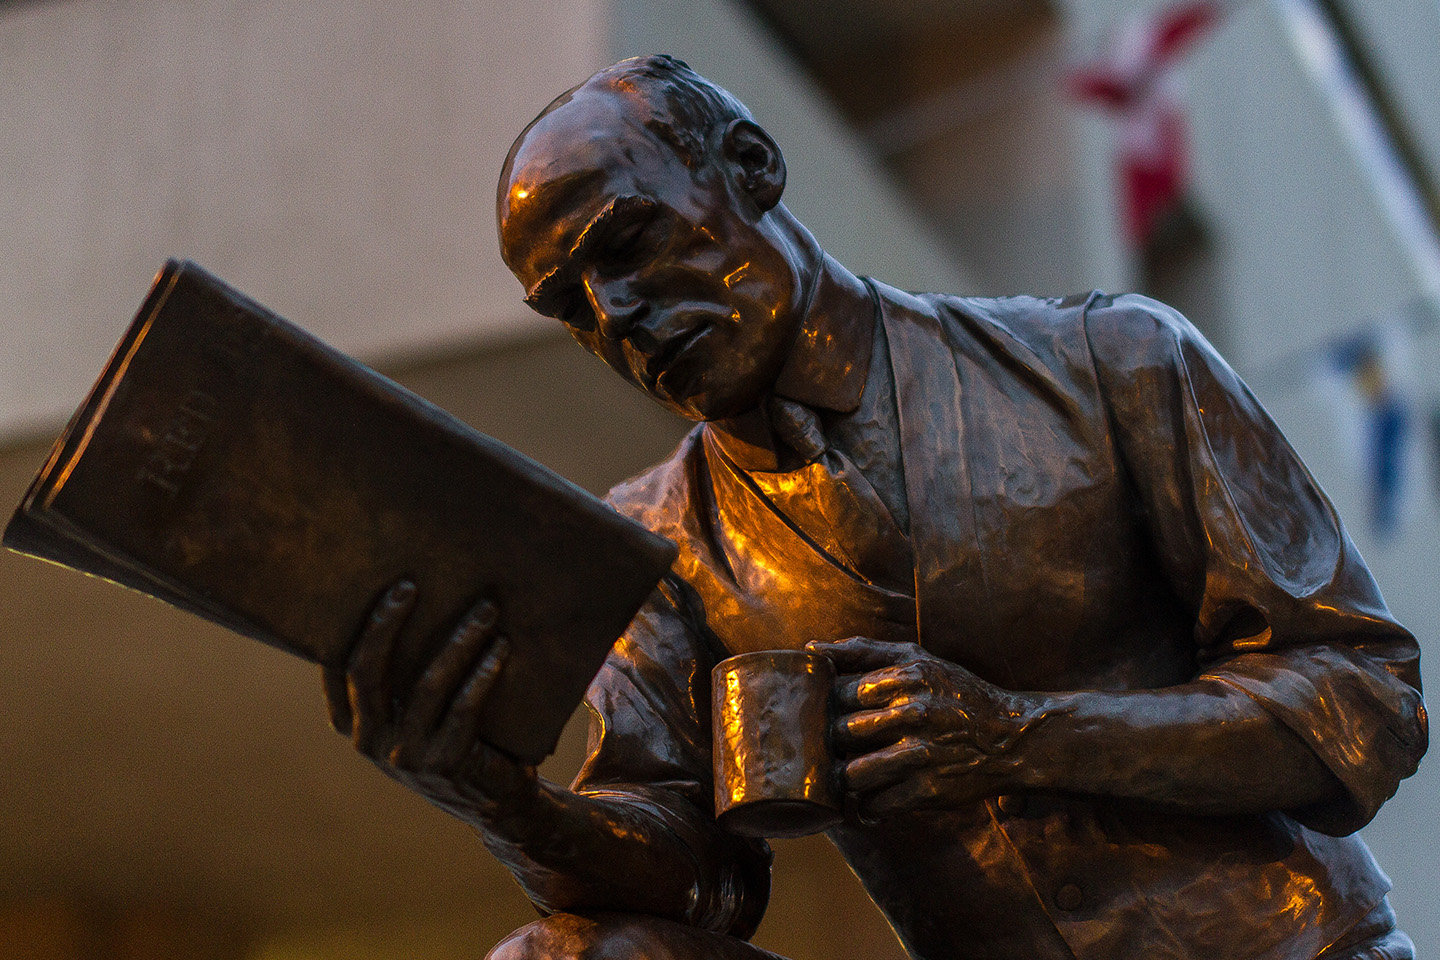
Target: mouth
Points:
(658, 364)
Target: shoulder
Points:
(1128, 347)
(1126, 324)
(1037, 341)
(660, 497)
(1131, 334)
(1021, 312)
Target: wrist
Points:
(1033, 719)
(517, 805)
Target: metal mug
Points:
(775, 775)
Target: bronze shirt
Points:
(1094, 501)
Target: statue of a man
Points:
(1114, 680)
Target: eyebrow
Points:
(540, 292)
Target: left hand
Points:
(916, 732)
(428, 737)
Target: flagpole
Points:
(1328, 47)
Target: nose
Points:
(616, 305)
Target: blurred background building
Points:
(170, 790)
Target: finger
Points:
(862, 654)
(871, 729)
(457, 735)
(447, 670)
(880, 688)
(881, 768)
(370, 681)
(386, 618)
(337, 699)
(916, 793)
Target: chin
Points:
(712, 405)
(712, 408)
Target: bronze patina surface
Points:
(1113, 680)
(775, 773)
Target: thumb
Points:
(863, 654)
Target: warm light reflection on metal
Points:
(774, 775)
(1259, 641)
(114, 373)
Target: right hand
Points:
(427, 737)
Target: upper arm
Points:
(1285, 609)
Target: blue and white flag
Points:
(1375, 407)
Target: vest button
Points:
(1069, 897)
(1013, 805)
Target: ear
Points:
(755, 162)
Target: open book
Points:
(234, 466)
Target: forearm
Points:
(622, 852)
(1205, 747)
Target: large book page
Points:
(231, 464)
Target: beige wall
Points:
(334, 160)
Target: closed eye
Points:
(624, 235)
(567, 304)
(573, 310)
(625, 241)
(619, 237)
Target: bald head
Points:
(628, 109)
(671, 101)
(642, 210)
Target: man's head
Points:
(642, 209)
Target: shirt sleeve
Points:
(1285, 609)
(650, 748)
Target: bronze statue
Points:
(1113, 680)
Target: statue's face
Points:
(672, 276)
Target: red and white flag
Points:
(1135, 79)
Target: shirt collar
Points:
(827, 367)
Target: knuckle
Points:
(472, 693)
(428, 685)
(919, 751)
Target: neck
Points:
(827, 365)
(831, 355)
